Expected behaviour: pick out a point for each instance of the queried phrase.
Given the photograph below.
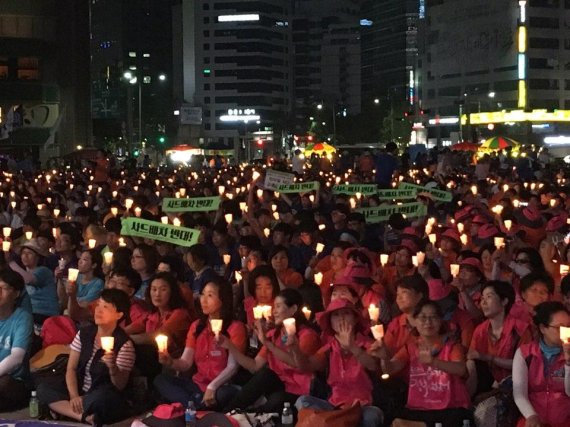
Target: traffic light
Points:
(162, 139)
(136, 152)
(259, 142)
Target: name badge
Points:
(215, 353)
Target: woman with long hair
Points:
(144, 261)
(210, 386)
(288, 277)
(89, 285)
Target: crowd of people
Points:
(454, 312)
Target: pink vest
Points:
(546, 386)
(210, 358)
(296, 382)
(432, 389)
(348, 379)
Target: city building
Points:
(44, 77)
(131, 70)
(233, 69)
(327, 66)
(389, 35)
(508, 57)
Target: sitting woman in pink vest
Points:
(277, 376)
(437, 391)
(345, 360)
(541, 371)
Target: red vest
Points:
(546, 386)
(432, 389)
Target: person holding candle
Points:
(468, 282)
(402, 267)
(210, 387)
(331, 267)
(541, 371)
(87, 288)
(144, 261)
(263, 287)
(40, 282)
(92, 390)
(437, 392)
(276, 374)
(345, 362)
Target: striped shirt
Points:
(125, 359)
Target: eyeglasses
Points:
(426, 319)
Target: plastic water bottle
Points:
(438, 425)
(190, 415)
(34, 407)
(287, 416)
(466, 423)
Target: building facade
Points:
(233, 68)
(44, 77)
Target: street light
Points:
(320, 107)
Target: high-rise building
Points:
(233, 69)
(44, 76)
(131, 49)
(495, 55)
(326, 39)
(390, 50)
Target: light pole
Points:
(320, 107)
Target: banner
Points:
(274, 179)
(397, 194)
(383, 212)
(180, 236)
(302, 187)
(194, 204)
(438, 195)
(364, 189)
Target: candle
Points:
(221, 190)
(564, 334)
(138, 211)
(384, 259)
(516, 203)
(312, 198)
(182, 191)
(129, 203)
(374, 312)
(498, 209)
(508, 224)
(415, 260)
(385, 376)
(352, 202)
(564, 268)
(29, 235)
(290, 326)
(92, 243)
(273, 207)
(107, 344)
(72, 274)
(108, 257)
(320, 248)
(56, 212)
(176, 222)
(122, 241)
(216, 325)
(243, 206)
(276, 216)
(460, 227)
(267, 311)
(306, 312)
(238, 276)
(6, 246)
(259, 193)
(499, 242)
(227, 258)
(474, 190)
(229, 218)
(552, 202)
(258, 312)
(318, 278)
(432, 238)
(505, 188)
(164, 219)
(255, 175)
(322, 227)
(464, 239)
(6, 231)
(378, 332)
(454, 269)
(114, 211)
(161, 343)
(421, 257)
(266, 232)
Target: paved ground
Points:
(23, 415)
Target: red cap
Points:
(438, 290)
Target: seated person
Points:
(16, 329)
(128, 280)
(92, 390)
